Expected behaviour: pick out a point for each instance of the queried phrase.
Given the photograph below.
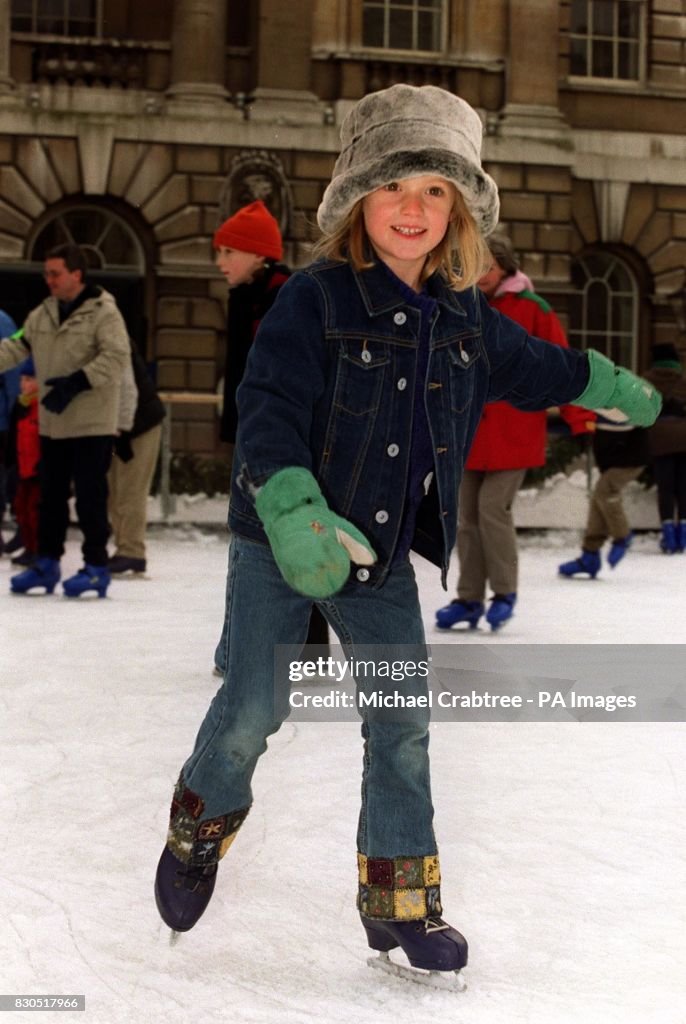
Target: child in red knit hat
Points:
(248, 249)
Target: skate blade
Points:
(451, 981)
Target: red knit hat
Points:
(251, 229)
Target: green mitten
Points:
(618, 393)
(312, 546)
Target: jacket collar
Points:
(378, 298)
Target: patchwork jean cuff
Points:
(196, 842)
(399, 888)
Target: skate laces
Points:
(193, 877)
(434, 924)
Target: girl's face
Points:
(237, 267)
(406, 219)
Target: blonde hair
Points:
(462, 257)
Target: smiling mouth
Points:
(408, 232)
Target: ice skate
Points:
(618, 550)
(588, 563)
(122, 565)
(669, 541)
(459, 611)
(500, 610)
(182, 892)
(91, 577)
(437, 952)
(45, 572)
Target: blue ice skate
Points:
(91, 577)
(45, 572)
(500, 610)
(459, 611)
(619, 549)
(669, 541)
(587, 563)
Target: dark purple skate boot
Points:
(429, 944)
(182, 891)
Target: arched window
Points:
(107, 240)
(604, 307)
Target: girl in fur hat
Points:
(362, 393)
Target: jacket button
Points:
(402, 384)
(464, 356)
(399, 319)
(366, 356)
(381, 516)
(362, 575)
(392, 450)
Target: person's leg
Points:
(496, 525)
(133, 486)
(55, 478)
(614, 482)
(92, 457)
(383, 627)
(214, 784)
(664, 473)
(471, 584)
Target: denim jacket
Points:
(329, 385)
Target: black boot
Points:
(429, 943)
(182, 891)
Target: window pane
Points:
(400, 30)
(428, 31)
(602, 59)
(577, 57)
(603, 17)
(578, 16)
(622, 319)
(400, 3)
(628, 60)
(596, 307)
(629, 19)
(618, 279)
(372, 26)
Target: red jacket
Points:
(28, 440)
(506, 437)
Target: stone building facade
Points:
(134, 129)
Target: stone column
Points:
(532, 74)
(198, 51)
(6, 83)
(283, 64)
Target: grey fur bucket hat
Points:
(408, 131)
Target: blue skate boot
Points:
(669, 538)
(681, 536)
(91, 577)
(588, 562)
(459, 611)
(182, 891)
(619, 549)
(429, 944)
(45, 572)
(501, 609)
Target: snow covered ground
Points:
(562, 844)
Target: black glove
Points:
(122, 446)
(64, 389)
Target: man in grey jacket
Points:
(80, 350)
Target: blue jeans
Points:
(385, 624)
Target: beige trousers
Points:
(486, 536)
(129, 485)
(606, 517)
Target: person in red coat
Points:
(27, 496)
(507, 443)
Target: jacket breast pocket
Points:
(359, 378)
(462, 357)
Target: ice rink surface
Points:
(562, 844)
